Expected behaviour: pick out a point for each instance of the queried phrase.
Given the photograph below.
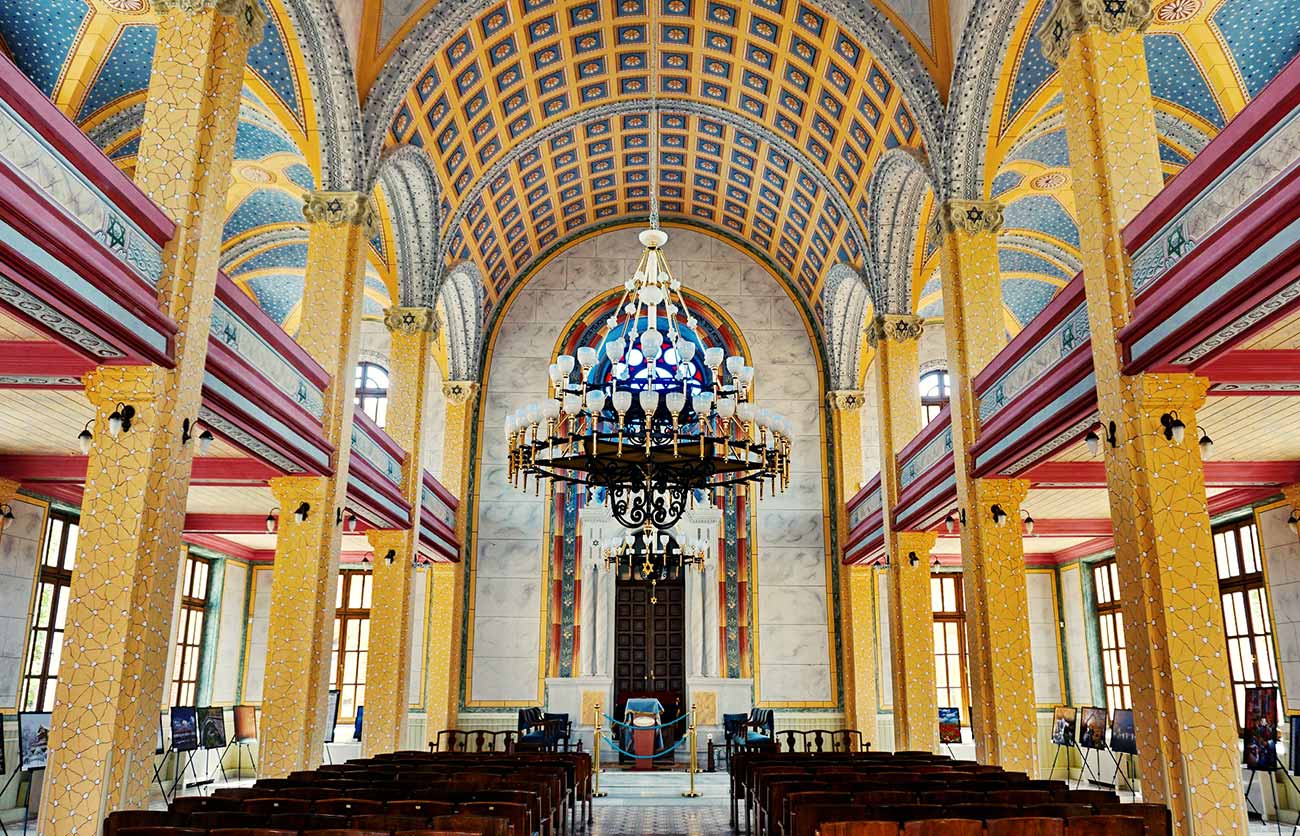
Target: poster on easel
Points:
(950, 725)
(245, 724)
(212, 728)
(331, 715)
(1259, 749)
(33, 739)
(160, 745)
(185, 730)
(1063, 720)
(1123, 734)
(1092, 727)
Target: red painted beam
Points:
(1244, 366)
(43, 358)
(1047, 528)
(217, 472)
(1217, 474)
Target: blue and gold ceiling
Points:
(535, 114)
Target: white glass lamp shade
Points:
(650, 295)
(649, 400)
(676, 401)
(572, 402)
(713, 357)
(565, 362)
(734, 364)
(512, 424)
(726, 407)
(745, 411)
(595, 400)
(700, 402)
(614, 350)
(550, 409)
(763, 418)
(554, 371)
(686, 350)
(586, 357)
(534, 412)
(652, 343)
(746, 375)
(622, 400)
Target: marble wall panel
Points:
(510, 558)
(794, 683)
(419, 621)
(884, 673)
(1044, 633)
(1282, 564)
(791, 605)
(259, 622)
(20, 546)
(1076, 637)
(793, 567)
(511, 679)
(230, 634)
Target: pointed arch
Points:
(847, 305)
(898, 189)
(414, 196)
(461, 297)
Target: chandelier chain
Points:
(654, 115)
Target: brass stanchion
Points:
(690, 731)
(595, 765)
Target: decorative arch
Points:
(899, 186)
(848, 304)
(414, 196)
(462, 302)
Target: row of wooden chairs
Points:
(1028, 826)
(465, 826)
(499, 819)
(811, 819)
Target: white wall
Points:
(1282, 564)
(230, 634)
(259, 623)
(419, 601)
(1044, 633)
(1076, 637)
(792, 625)
(19, 556)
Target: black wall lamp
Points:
(272, 520)
(347, 517)
(119, 421)
(912, 558)
(999, 515)
(187, 436)
(1206, 444)
(390, 557)
(300, 513)
(950, 521)
(1093, 440)
(1175, 429)
(1028, 521)
(84, 438)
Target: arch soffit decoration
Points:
(899, 186)
(847, 306)
(871, 27)
(461, 297)
(414, 197)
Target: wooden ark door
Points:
(650, 646)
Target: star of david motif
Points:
(974, 214)
(335, 205)
(1115, 8)
(116, 233)
(1058, 31)
(408, 319)
(1178, 245)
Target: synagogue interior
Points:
(543, 417)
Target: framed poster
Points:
(160, 746)
(1123, 735)
(1092, 728)
(33, 739)
(1259, 750)
(1063, 720)
(950, 725)
(245, 724)
(212, 728)
(185, 729)
(356, 728)
(331, 715)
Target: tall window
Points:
(949, 641)
(934, 394)
(1246, 623)
(45, 643)
(371, 394)
(1110, 626)
(351, 641)
(189, 632)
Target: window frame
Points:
(368, 395)
(932, 405)
(346, 619)
(1117, 682)
(956, 617)
(59, 578)
(1242, 581)
(187, 656)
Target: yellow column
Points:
(447, 616)
(857, 602)
(8, 490)
(993, 560)
(307, 553)
(1190, 757)
(112, 677)
(911, 620)
(411, 332)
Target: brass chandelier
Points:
(648, 416)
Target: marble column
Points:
(113, 672)
(301, 628)
(1164, 553)
(411, 335)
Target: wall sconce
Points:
(934, 562)
(349, 520)
(950, 521)
(1206, 444)
(883, 561)
(84, 438)
(390, 557)
(1093, 440)
(1294, 519)
(187, 436)
(1028, 521)
(6, 516)
(300, 513)
(272, 520)
(912, 558)
(999, 515)
(1175, 429)
(119, 421)
(365, 558)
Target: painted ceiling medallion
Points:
(129, 7)
(1176, 11)
(1051, 181)
(256, 174)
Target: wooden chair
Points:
(1020, 798)
(1106, 826)
(910, 812)
(386, 823)
(473, 825)
(235, 792)
(348, 807)
(1089, 797)
(1156, 817)
(1059, 810)
(138, 819)
(1026, 826)
(860, 828)
(955, 797)
(306, 821)
(160, 831)
(516, 814)
(436, 833)
(275, 806)
(985, 812)
(204, 803)
(944, 827)
(345, 832)
(875, 798)
(249, 831)
(221, 820)
(423, 809)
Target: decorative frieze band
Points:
(845, 400)
(971, 216)
(411, 321)
(459, 391)
(1073, 17)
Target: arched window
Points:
(371, 395)
(934, 394)
(635, 372)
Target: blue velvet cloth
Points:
(643, 705)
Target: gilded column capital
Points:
(1073, 17)
(335, 209)
(411, 321)
(247, 14)
(459, 391)
(970, 216)
(1008, 493)
(383, 539)
(8, 490)
(921, 542)
(1150, 394)
(108, 386)
(896, 327)
(845, 400)
(290, 490)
